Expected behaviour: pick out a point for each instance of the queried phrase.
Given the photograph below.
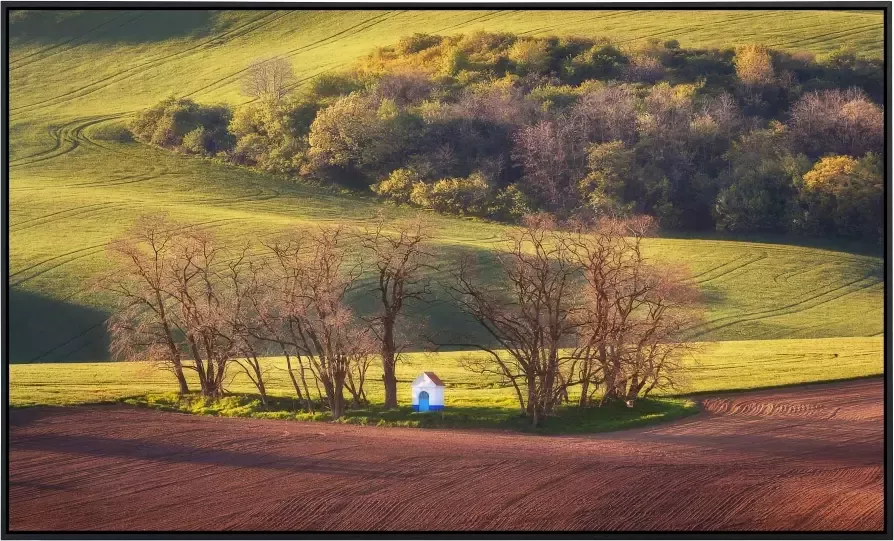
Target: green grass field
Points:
(73, 75)
(472, 400)
(716, 367)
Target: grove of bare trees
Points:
(576, 309)
(191, 304)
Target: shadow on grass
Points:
(567, 420)
(43, 329)
(850, 246)
(68, 28)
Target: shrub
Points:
(417, 42)
(606, 186)
(167, 123)
(196, 141)
(602, 61)
(453, 61)
(508, 205)
(839, 122)
(843, 196)
(348, 132)
(529, 56)
(644, 69)
(404, 88)
(272, 135)
(754, 66)
(328, 85)
(453, 195)
(113, 132)
(398, 186)
(419, 195)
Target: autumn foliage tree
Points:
(843, 196)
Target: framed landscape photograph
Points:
(446, 270)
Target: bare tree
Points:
(531, 316)
(545, 151)
(629, 338)
(183, 298)
(314, 276)
(401, 259)
(606, 113)
(269, 79)
(579, 306)
(835, 121)
(279, 293)
(244, 322)
(197, 289)
(144, 326)
(356, 380)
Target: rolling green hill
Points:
(75, 74)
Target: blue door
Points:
(423, 401)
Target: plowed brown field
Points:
(797, 459)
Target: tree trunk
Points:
(310, 402)
(388, 366)
(336, 404)
(210, 380)
(181, 378)
(634, 389)
(390, 381)
(532, 397)
(175, 353)
(200, 366)
(584, 392)
(334, 387)
(262, 389)
(292, 377)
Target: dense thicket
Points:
(498, 125)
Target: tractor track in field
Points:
(75, 212)
(66, 138)
(686, 29)
(592, 19)
(84, 252)
(811, 301)
(232, 77)
(43, 356)
(29, 220)
(119, 181)
(210, 42)
(725, 268)
(803, 458)
(822, 37)
(788, 275)
(16, 64)
(481, 18)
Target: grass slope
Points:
(719, 366)
(74, 74)
(472, 400)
